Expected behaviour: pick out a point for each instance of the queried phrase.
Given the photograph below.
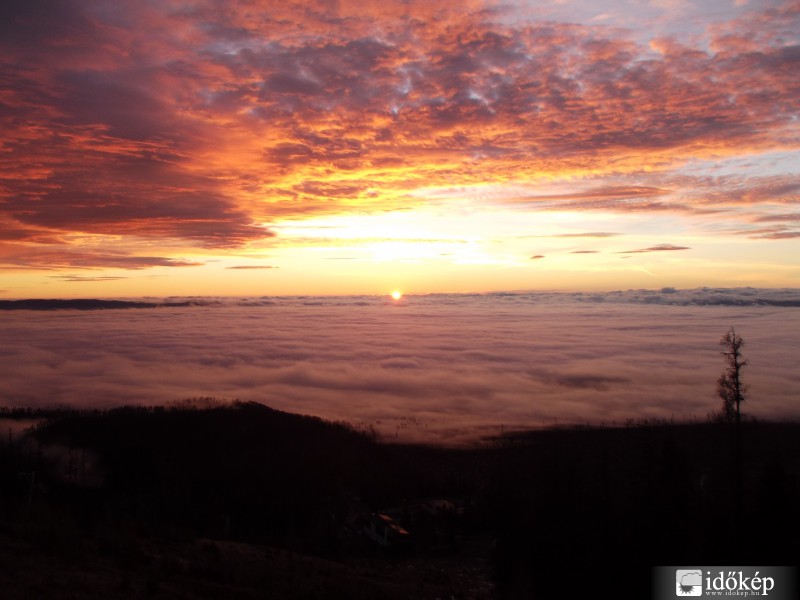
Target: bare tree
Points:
(729, 385)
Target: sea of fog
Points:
(442, 367)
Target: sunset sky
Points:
(160, 147)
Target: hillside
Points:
(242, 500)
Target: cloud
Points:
(777, 232)
(537, 256)
(51, 259)
(85, 279)
(659, 248)
(778, 235)
(695, 578)
(594, 381)
(460, 364)
(788, 217)
(591, 234)
(252, 267)
(737, 191)
(203, 125)
(601, 194)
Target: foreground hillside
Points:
(245, 501)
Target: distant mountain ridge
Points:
(82, 304)
(669, 296)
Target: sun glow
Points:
(396, 295)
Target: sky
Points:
(195, 147)
(447, 368)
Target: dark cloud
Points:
(88, 260)
(112, 202)
(537, 256)
(593, 381)
(41, 24)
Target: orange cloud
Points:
(205, 122)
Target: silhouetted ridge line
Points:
(780, 302)
(123, 487)
(83, 304)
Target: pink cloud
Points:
(658, 248)
(252, 267)
(204, 123)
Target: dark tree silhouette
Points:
(729, 385)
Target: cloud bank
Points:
(439, 367)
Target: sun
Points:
(396, 295)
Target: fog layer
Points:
(441, 367)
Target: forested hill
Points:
(126, 485)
